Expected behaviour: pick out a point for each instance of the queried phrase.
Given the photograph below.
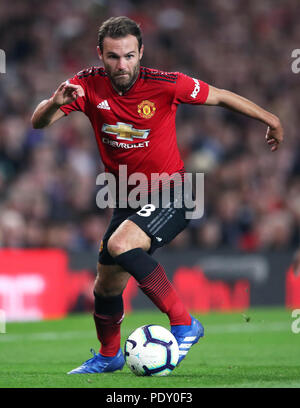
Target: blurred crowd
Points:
(48, 177)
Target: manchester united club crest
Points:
(146, 109)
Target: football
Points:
(151, 350)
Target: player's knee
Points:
(116, 246)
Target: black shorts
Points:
(160, 223)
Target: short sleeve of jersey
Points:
(80, 103)
(190, 90)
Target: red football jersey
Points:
(137, 129)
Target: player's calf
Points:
(108, 316)
(155, 284)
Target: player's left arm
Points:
(237, 103)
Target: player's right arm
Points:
(237, 103)
(48, 111)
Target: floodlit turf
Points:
(256, 348)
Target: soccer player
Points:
(132, 110)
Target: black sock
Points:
(108, 305)
(137, 262)
(154, 282)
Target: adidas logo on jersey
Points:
(103, 105)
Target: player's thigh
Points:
(161, 224)
(111, 280)
(126, 237)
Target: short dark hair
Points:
(118, 27)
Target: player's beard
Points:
(124, 83)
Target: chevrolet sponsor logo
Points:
(125, 132)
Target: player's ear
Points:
(141, 51)
(99, 52)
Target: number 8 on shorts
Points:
(146, 210)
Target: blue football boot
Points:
(100, 364)
(187, 336)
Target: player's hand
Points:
(274, 136)
(67, 93)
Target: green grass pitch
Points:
(256, 348)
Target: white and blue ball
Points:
(151, 350)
